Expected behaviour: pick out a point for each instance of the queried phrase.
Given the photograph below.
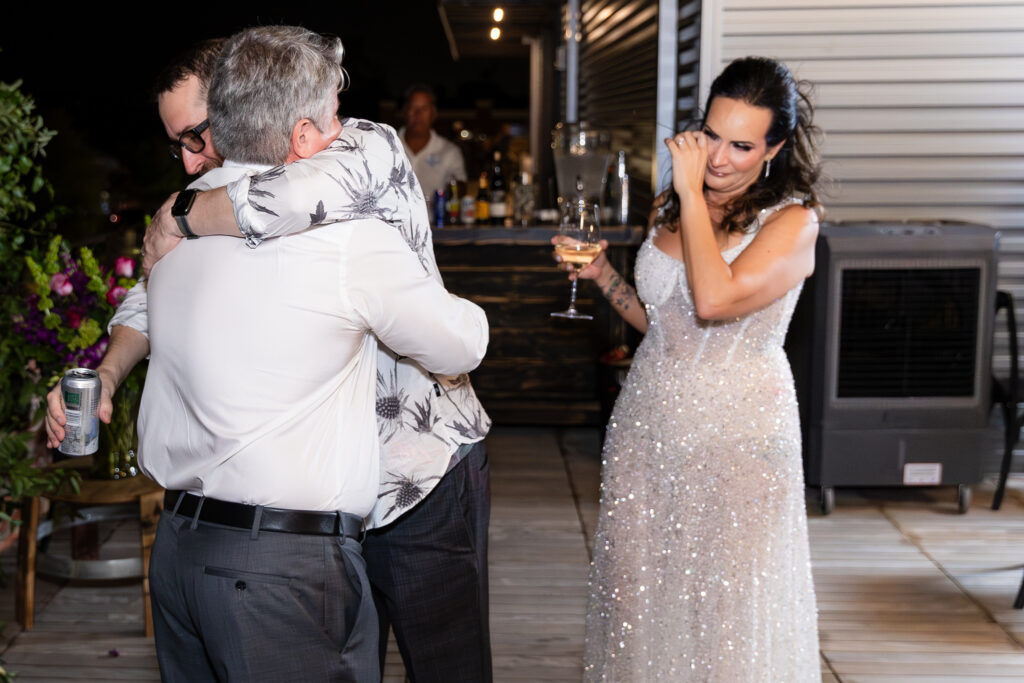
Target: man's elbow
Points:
(470, 346)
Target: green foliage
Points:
(23, 139)
(22, 478)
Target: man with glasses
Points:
(427, 552)
(181, 101)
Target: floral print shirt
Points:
(423, 420)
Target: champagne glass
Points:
(581, 227)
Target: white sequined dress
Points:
(701, 569)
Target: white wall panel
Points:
(921, 102)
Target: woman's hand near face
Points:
(689, 152)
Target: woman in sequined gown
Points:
(701, 568)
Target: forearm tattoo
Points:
(619, 293)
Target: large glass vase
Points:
(119, 440)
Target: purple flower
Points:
(61, 284)
(124, 266)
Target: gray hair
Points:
(267, 79)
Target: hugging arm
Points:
(362, 174)
(411, 313)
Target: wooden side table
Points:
(138, 495)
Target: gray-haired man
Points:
(259, 409)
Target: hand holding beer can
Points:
(80, 389)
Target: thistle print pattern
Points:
(362, 191)
(390, 403)
(406, 492)
(422, 419)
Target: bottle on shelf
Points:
(467, 207)
(483, 201)
(621, 179)
(439, 213)
(499, 192)
(523, 202)
(453, 199)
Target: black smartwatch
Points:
(182, 205)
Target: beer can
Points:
(80, 388)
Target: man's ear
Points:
(305, 135)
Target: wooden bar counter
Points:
(538, 369)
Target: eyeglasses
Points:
(191, 139)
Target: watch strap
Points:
(180, 210)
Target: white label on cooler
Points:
(922, 474)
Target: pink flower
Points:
(116, 294)
(124, 266)
(60, 284)
(74, 320)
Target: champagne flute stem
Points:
(572, 294)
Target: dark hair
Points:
(795, 170)
(198, 60)
(417, 88)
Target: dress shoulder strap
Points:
(768, 211)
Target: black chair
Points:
(1006, 394)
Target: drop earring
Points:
(767, 168)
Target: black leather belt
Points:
(243, 516)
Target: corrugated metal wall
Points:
(618, 83)
(922, 103)
(688, 104)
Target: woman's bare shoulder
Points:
(793, 218)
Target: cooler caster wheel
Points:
(963, 498)
(827, 500)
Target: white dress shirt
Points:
(426, 421)
(436, 163)
(263, 373)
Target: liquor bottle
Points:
(467, 207)
(499, 192)
(523, 201)
(453, 201)
(483, 201)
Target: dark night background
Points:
(90, 73)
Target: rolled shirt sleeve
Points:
(133, 311)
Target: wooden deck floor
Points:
(908, 590)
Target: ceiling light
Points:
(495, 33)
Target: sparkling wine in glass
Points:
(581, 246)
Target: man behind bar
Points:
(434, 159)
(258, 413)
